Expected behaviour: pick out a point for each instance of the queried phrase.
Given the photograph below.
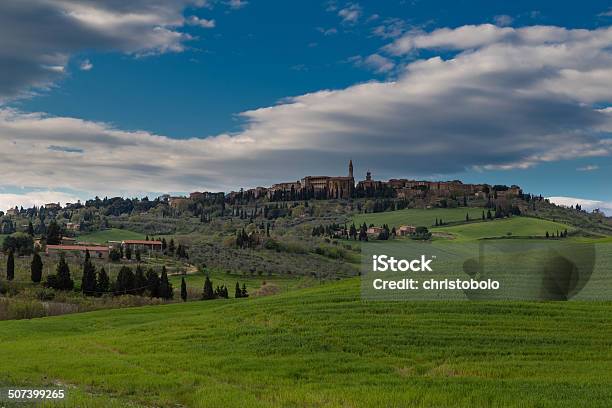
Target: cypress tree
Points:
(171, 247)
(140, 282)
(244, 291)
(165, 287)
(152, 283)
(36, 268)
(125, 281)
(64, 280)
(238, 292)
(128, 252)
(183, 290)
(208, 292)
(88, 280)
(103, 282)
(10, 266)
(54, 234)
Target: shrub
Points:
(20, 243)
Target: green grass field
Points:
(320, 347)
(515, 226)
(113, 234)
(418, 217)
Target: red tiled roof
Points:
(78, 248)
(141, 242)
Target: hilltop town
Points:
(425, 193)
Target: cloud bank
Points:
(37, 37)
(588, 205)
(504, 98)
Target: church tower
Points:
(350, 168)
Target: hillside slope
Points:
(320, 347)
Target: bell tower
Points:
(350, 168)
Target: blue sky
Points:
(260, 54)
(190, 71)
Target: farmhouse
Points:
(406, 230)
(374, 230)
(73, 226)
(176, 202)
(142, 244)
(97, 251)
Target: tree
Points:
(221, 292)
(165, 287)
(183, 290)
(62, 279)
(171, 246)
(467, 216)
(140, 282)
(238, 292)
(208, 292)
(152, 283)
(114, 255)
(102, 282)
(137, 254)
(19, 243)
(10, 266)
(245, 293)
(36, 268)
(54, 234)
(88, 280)
(125, 281)
(30, 229)
(128, 252)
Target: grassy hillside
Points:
(515, 226)
(113, 234)
(320, 347)
(418, 217)
(275, 283)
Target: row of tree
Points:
(221, 292)
(97, 283)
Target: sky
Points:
(170, 96)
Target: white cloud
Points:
(86, 65)
(590, 167)
(201, 22)
(586, 204)
(36, 198)
(374, 62)
(503, 20)
(390, 28)
(327, 31)
(38, 37)
(351, 13)
(237, 4)
(507, 98)
(606, 13)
